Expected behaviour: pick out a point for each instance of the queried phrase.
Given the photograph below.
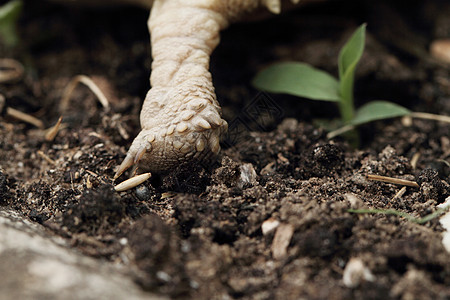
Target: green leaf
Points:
(349, 57)
(298, 79)
(9, 13)
(352, 51)
(378, 110)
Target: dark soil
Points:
(199, 234)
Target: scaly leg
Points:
(181, 118)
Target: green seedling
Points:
(303, 80)
(9, 14)
(423, 220)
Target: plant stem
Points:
(346, 105)
(347, 110)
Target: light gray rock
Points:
(35, 265)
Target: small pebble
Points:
(163, 276)
(281, 240)
(354, 201)
(248, 176)
(143, 193)
(355, 272)
(269, 225)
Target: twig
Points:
(340, 131)
(88, 182)
(44, 156)
(423, 220)
(24, 117)
(53, 131)
(2, 103)
(399, 194)
(168, 195)
(92, 173)
(417, 115)
(71, 182)
(123, 133)
(90, 84)
(445, 162)
(392, 180)
(414, 160)
(10, 70)
(427, 116)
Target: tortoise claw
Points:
(125, 165)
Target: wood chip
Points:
(268, 169)
(281, 241)
(168, 195)
(2, 103)
(399, 194)
(10, 70)
(53, 131)
(88, 182)
(440, 49)
(92, 173)
(414, 160)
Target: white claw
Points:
(139, 155)
(177, 145)
(186, 148)
(202, 123)
(182, 127)
(224, 127)
(132, 182)
(125, 165)
(213, 119)
(200, 145)
(214, 144)
(151, 138)
(187, 115)
(198, 105)
(171, 129)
